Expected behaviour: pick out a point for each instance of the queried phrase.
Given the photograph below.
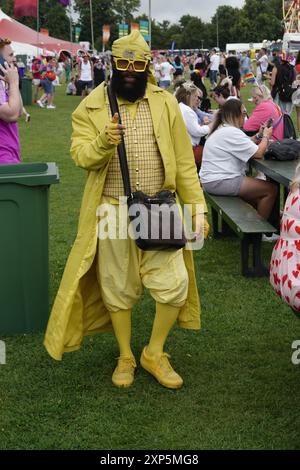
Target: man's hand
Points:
(199, 228)
(114, 131)
(206, 227)
(10, 74)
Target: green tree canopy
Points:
(52, 16)
(110, 12)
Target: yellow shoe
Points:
(161, 369)
(123, 375)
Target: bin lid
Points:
(30, 174)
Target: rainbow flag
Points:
(249, 78)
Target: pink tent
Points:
(16, 31)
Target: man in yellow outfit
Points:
(104, 277)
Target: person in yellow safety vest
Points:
(104, 278)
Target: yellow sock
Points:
(165, 317)
(121, 322)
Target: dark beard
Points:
(129, 91)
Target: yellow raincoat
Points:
(78, 309)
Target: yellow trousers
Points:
(123, 270)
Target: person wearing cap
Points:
(104, 278)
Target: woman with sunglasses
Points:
(265, 109)
(189, 97)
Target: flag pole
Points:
(71, 28)
(92, 26)
(150, 31)
(37, 23)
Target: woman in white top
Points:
(225, 157)
(188, 97)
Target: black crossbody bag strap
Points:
(121, 147)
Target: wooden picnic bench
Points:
(235, 215)
(280, 173)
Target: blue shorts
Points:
(164, 84)
(47, 86)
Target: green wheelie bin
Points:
(26, 91)
(24, 270)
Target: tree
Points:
(110, 12)
(52, 16)
(265, 19)
(224, 20)
(193, 32)
(241, 29)
(7, 6)
(158, 38)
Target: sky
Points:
(173, 10)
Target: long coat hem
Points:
(78, 309)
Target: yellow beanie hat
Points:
(133, 47)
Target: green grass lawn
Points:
(241, 390)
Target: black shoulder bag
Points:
(156, 221)
(283, 150)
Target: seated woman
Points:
(225, 156)
(188, 97)
(221, 94)
(71, 88)
(264, 110)
(203, 117)
(285, 261)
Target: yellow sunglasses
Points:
(123, 64)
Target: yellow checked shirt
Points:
(145, 165)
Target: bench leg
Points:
(215, 222)
(226, 231)
(274, 218)
(257, 269)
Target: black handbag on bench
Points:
(283, 150)
(156, 220)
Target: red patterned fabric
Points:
(25, 8)
(285, 261)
